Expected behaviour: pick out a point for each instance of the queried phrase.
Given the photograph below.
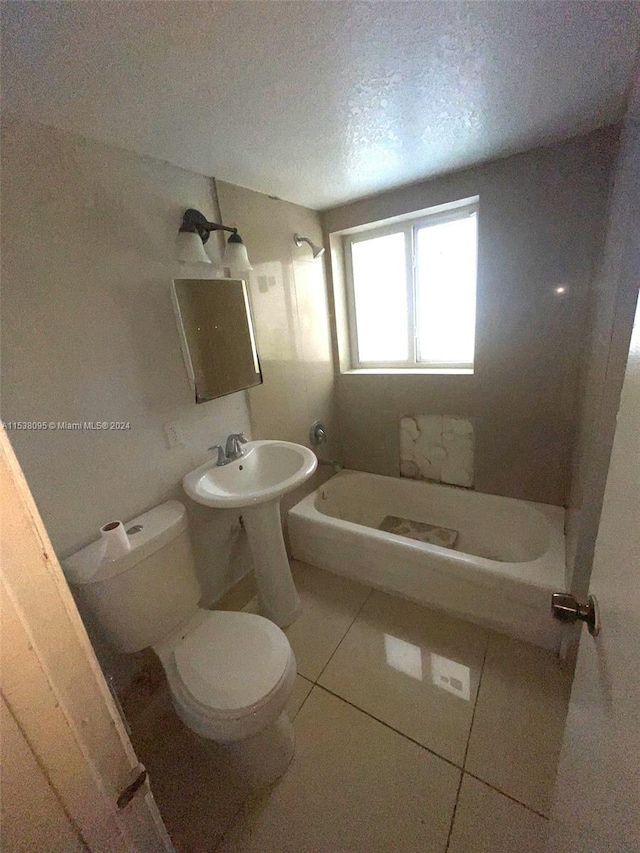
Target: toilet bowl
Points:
(230, 677)
(230, 674)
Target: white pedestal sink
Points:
(265, 472)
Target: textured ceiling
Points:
(320, 102)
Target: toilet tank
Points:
(142, 596)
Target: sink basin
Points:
(266, 471)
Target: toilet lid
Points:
(232, 660)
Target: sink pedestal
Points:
(277, 595)
(254, 484)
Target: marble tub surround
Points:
(438, 448)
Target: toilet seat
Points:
(229, 673)
(231, 662)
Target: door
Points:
(66, 754)
(597, 796)
(614, 297)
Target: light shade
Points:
(235, 255)
(190, 250)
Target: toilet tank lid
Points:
(158, 527)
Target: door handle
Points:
(566, 608)
(137, 778)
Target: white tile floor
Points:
(414, 732)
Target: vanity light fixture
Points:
(194, 233)
(317, 250)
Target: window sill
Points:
(417, 371)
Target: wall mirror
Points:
(217, 337)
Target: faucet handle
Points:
(221, 454)
(232, 448)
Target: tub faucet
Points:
(233, 448)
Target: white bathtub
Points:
(508, 559)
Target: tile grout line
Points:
(342, 638)
(453, 813)
(304, 701)
(475, 704)
(466, 752)
(387, 726)
(508, 796)
(459, 767)
(466, 749)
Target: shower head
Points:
(317, 250)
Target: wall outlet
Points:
(173, 434)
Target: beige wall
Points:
(88, 334)
(541, 222)
(289, 301)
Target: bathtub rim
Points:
(548, 569)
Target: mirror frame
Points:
(200, 395)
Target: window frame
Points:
(408, 227)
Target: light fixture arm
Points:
(190, 249)
(196, 223)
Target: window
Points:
(412, 292)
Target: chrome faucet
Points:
(232, 449)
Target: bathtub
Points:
(507, 561)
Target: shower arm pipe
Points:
(195, 222)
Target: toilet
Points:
(230, 674)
